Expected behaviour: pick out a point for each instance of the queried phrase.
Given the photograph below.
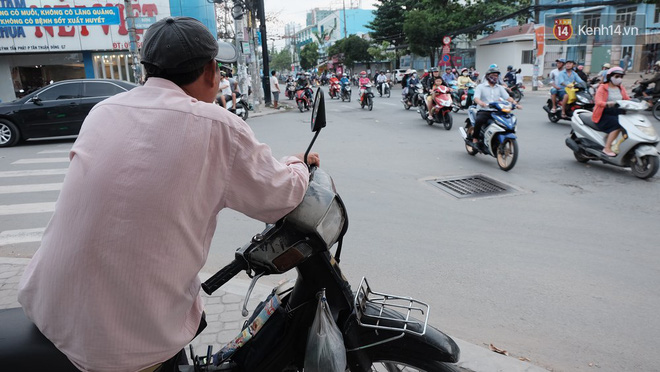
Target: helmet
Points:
(476, 73)
(388, 71)
(615, 70)
(492, 66)
(434, 69)
(447, 68)
(657, 63)
(560, 60)
(509, 68)
(363, 73)
(580, 67)
(492, 71)
(463, 70)
(409, 71)
(607, 65)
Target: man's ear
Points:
(209, 73)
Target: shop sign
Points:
(75, 37)
(59, 17)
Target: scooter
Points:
(384, 89)
(346, 92)
(442, 107)
(415, 97)
(635, 147)
(290, 90)
(499, 135)
(583, 100)
(367, 98)
(516, 91)
(302, 100)
(466, 99)
(379, 330)
(333, 92)
(242, 106)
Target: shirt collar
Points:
(154, 82)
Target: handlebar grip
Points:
(223, 276)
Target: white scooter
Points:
(635, 146)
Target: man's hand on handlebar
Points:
(312, 159)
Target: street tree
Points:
(382, 52)
(351, 50)
(281, 60)
(387, 24)
(309, 56)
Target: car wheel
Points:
(9, 135)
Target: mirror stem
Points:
(310, 147)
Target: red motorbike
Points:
(335, 88)
(302, 99)
(442, 106)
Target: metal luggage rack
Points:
(407, 305)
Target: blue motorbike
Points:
(499, 134)
(463, 99)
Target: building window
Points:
(527, 57)
(591, 20)
(656, 19)
(627, 15)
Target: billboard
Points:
(16, 37)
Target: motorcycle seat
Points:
(23, 347)
(586, 119)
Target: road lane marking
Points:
(15, 189)
(35, 172)
(41, 160)
(21, 236)
(55, 151)
(27, 208)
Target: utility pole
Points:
(254, 66)
(345, 33)
(264, 51)
(132, 48)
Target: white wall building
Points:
(513, 46)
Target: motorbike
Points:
(367, 98)
(516, 91)
(583, 100)
(466, 99)
(290, 90)
(635, 146)
(442, 108)
(415, 97)
(346, 93)
(379, 330)
(302, 100)
(242, 106)
(333, 92)
(384, 89)
(499, 135)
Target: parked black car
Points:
(57, 109)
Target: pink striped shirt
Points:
(114, 284)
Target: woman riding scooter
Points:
(606, 115)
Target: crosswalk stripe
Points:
(12, 209)
(21, 236)
(15, 189)
(41, 160)
(35, 172)
(54, 151)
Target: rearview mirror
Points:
(36, 100)
(318, 112)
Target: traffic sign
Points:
(143, 23)
(445, 58)
(446, 40)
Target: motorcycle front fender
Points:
(645, 150)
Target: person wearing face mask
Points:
(566, 77)
(463, 80)
(487, 92)
(413, 80)
(606, 115)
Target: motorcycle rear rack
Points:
(406, 305)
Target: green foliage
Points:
(309, 56)
(380, 52)
(280, 60)
(350, 50)
(387, 24)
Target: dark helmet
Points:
(492, 71)
(509, 68)
(434, 69)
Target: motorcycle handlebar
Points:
(223, 276)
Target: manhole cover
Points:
(471, 186)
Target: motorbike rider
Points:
(448, 76)
(304, 84)
(486, 92)
(429, 80)
(114, 284)
(510, 76)
(655, 91)
(430, 99)
(581, 73)
(603, 72)
(463, 80)
(413, 80)
(344, 81)
(556, 91)
(606, 115)
(566, 77)
(226, 92)
(382, 78)
(363, 81)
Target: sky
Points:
(286, 11)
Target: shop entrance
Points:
(114, 66)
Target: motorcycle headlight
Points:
(331, 225)
(583, 99)
(649, 131)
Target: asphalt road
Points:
(563, 271)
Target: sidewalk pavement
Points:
(265, 110)
(223, 315)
